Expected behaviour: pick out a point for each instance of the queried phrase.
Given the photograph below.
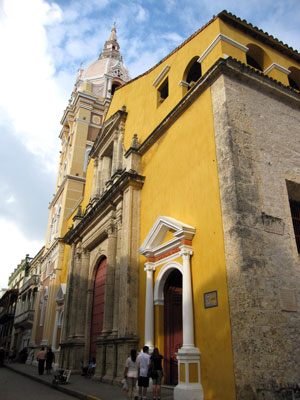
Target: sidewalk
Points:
(80, 387)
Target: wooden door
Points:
(98, 307)
(172, 325)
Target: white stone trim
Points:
(226, 39)
(162, 276)
(153, 246)
(161, 75)
(61, 292)
(183, 83)
(277, 66)
(83, 121)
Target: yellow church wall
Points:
(183, 184)
(141, 102)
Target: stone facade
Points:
(108, 229)
(257, 141)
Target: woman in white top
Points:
(131, 375)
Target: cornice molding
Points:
(226, 39)
(161, 76)
(124, 181)
(62, 186)
(279, 67)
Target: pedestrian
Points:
(131, 375)
(12, 354)
(50, 358)
(143, 379)
(156, 372)
(23, 355)
(41, 357)
(91, 368)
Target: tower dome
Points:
(106, 73)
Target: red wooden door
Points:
(172, 325)
(98, 307)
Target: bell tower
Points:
(81, 122)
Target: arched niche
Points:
(192, 73)
(257, 57)
(114, 86)
(294, 78)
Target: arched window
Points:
(256, 57)
(114, 87)
(192, 73)
(294, 78)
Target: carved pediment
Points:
(109, 128)
(166, 234)
(60, 295)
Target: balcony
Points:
(31, 282)
(6, 315)
(24, 320)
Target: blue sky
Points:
(44, 44)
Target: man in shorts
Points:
(143, 379)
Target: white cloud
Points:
(14, 247)
(142, 14)
(11, 199)
(173, 37)
(30, 97)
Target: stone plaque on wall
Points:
(288, 301)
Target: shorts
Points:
(157, 381)
(143, 381)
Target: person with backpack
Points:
(156, 372)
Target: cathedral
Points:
(175, 218)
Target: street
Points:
(14, 386)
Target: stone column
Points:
(106, 170)
(114, 166)
(68, 298)
(98, 177)
(75, 289)
(110, 278)
(120, 152)
(149, 308)
(95, 178)
(82, 294)
(115, 329)
(55, 330)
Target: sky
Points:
(42, 44)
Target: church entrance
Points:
(98, 306)
(172, 325)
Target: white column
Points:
(188, 356)
(149, 308)
(187, 300)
